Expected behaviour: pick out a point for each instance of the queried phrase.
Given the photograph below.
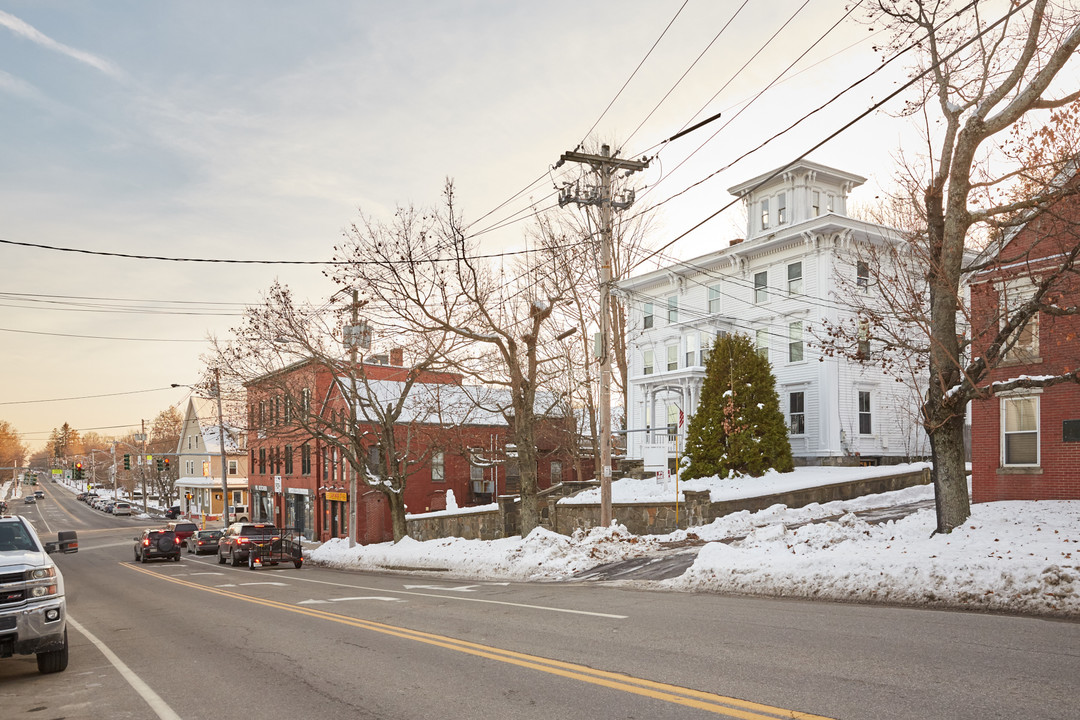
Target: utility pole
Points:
(144, 465)
(355, 335)
(221, 443)
(605, 165)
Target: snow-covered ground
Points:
(1010, 556)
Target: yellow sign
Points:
(206, 468)
(337, 496)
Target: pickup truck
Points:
(33, 611)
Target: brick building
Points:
(1026, 442)
(299, 480)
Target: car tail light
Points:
(146, 542)
(176, 540)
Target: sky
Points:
(257, 131)
(1018, 557)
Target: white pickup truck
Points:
(33, 613)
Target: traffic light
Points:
(166, 464)
(127, 461)
(78, 471)
(160, 465)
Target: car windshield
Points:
(13, 536)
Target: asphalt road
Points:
(197, 639)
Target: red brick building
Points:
(299, 480)
(1026, 442)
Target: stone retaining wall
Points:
(640, 518)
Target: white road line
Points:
(298, 578)
(159, 706)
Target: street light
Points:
(221, 446)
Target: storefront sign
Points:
(298, 491)
(337, 496)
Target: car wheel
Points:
(220, 559)
(176, 557)
(298, 564)
(53, 660)
(233, 560)
(142, 558)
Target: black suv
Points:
(236, 542)
(157, 544)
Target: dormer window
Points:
(765, 214)
(781, 209)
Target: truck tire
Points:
(53, 661)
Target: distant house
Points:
(200, 465)
(302, 481)
(777, 287)
(1026, 443)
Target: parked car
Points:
(108, 506)
(121, 508)
(89, 498)
(81, 497)
(184, 529)
(238, 513)
(236, 541)
(157, 544)
(173, 513)
(204, 541)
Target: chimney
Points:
(397, 357)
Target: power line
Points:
(918, 77)
(97, 337)
(83, 397)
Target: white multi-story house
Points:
(777, 286)
(200, 465)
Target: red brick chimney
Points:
(397, 357)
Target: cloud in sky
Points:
(31, 33)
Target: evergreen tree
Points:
(738, 425)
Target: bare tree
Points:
(424, 269)
(383, 423)
(981, 78)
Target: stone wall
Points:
(640, 518)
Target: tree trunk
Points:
(397, 515)
(526, 449)
(950, 474)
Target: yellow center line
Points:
(711, 702)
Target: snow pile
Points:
(1015, 556)
(1009, 556)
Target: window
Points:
(1020, 430)
(647, 316)
(817, 203)
(672, 357)
(1026, 347)
(828, 203)
(707, 341)
(189, 442)
(288, 410)
(476, 473)
(795, 342)
(373, 460)
(781, 208)
(765, 214)
(305, 459)
(262, 461)
(438, 467)
(556, 471)
(714, 298)
(233, 467)
(794, 278)
(673, 309)
(761, 342)
(189, 468)
(288, 459)
(864, 412)
(797, 413)
(864, 339)
(691, 350)
(761, 282)
(862, 275)
(262, 414)
(648, 369)
(305, 401)
(673, 418)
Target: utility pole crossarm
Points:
(603, 161)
